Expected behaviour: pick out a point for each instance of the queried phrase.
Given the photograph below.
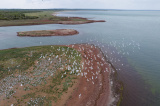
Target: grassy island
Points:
(57, 32)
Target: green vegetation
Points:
(41, 14)
(118, 87)
(43, 73)
(120, 92)
(57, 32)
(36, 33)
(14, 15)
(25, 17)
(32, 17)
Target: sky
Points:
(82, 4)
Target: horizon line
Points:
(81, 9)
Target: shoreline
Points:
(43, 22)
(53, 20)
(95, 81)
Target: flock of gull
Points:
(47, 65)
(116, 50)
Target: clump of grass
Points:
(29, 95)
(27, 88)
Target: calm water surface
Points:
(129, 39)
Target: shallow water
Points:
(130, 40)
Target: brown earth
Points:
(94, 88)
(57, 32)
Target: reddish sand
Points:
(93, 89)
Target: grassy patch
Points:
(36, 33)
(41, 73)
(41, 14)
(15, 15)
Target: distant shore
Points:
(40, 33)
(45, 17)
(59, 20)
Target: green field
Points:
(15, 15)
(41, 14)
(34, 17)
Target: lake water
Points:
(129, 39)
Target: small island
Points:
(57, 32)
